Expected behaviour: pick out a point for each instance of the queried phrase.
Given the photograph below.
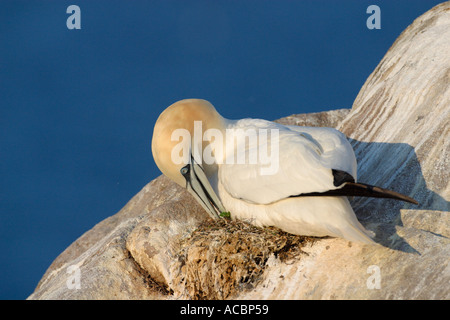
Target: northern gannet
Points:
(294, 178)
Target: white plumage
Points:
(306, 157)
(293, 196)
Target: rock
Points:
(107, 270)
(155, 242)
(399, 128)
(330, 118)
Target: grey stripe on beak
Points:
(198, 185)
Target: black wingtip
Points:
(367, 190)
(340, 177)
(352, 189)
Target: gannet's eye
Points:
(184, 170)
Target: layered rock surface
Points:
(399, 128)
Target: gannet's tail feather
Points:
(357, 233)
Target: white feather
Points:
(306, 157)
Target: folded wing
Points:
(290, 161)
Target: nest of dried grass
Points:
(224, 257)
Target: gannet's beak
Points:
(198, 185)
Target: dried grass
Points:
(224, 257)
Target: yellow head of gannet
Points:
(181, 117)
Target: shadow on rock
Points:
(393, 166)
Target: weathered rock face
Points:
(399, 128)
(330, 118)
(106, 268)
